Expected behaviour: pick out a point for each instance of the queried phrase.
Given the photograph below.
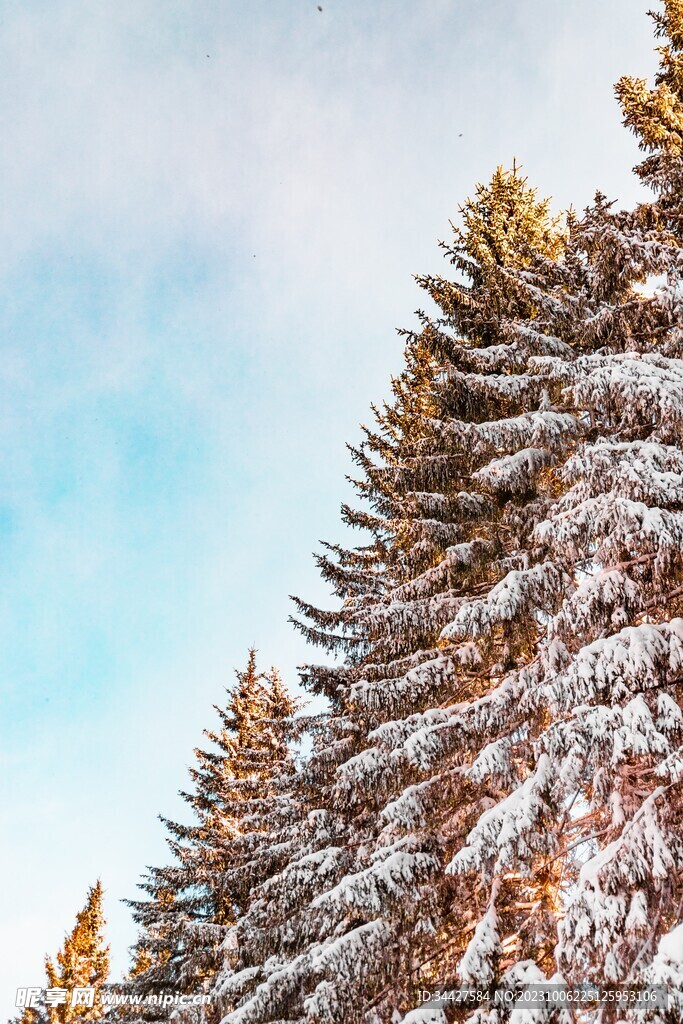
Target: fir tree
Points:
(496, 798)
(239, 795)
(82, 962)
(367, 912)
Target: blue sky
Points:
(211, 214)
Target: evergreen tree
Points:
(239, 797)
(496, 798)
(82, 963)
(367, 913)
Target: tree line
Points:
(493, 796)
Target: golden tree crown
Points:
(655, 115)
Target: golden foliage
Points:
(82, 962)
(656, 115)
(505, 222)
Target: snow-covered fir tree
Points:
(367, 914)
(496, 799)
(239, 801)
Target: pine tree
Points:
(238, 799)
(82, 963)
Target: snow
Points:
(671, 946)
(425, 1016)
(507, 728)
(509, 600)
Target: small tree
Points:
(82, 962)
(221, 855)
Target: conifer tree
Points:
(238, 799)
(497, 795)
(82, 963)
(367, 913)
